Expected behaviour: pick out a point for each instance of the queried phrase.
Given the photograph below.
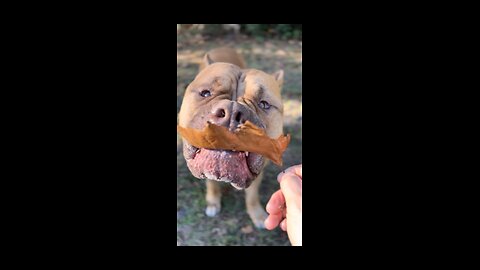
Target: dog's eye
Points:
(264, 105)
(205, 93)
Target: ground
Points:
(232, 226)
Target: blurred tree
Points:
(283, 31)
(258, 31)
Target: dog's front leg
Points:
(254, 208)
(214, 195)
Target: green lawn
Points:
(232, 226)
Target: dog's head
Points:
(225, 95)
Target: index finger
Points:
(276, 203)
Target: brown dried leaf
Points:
(247, 138)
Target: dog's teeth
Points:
(246, 154)
(198, 151)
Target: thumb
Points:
(291, 186)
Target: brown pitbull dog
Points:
(227, 94)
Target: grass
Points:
(232, 226)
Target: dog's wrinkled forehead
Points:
(257, 79)
(218, 75)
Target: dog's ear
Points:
(279, 77)
(207, 60)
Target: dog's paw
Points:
(212, 210)
(258, 216)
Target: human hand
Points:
(288, 197)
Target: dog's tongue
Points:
(222, 165)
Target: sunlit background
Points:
(268, 47)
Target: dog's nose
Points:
(238, 117)
(229, 114)
(220, 113)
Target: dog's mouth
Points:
(235, 167)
